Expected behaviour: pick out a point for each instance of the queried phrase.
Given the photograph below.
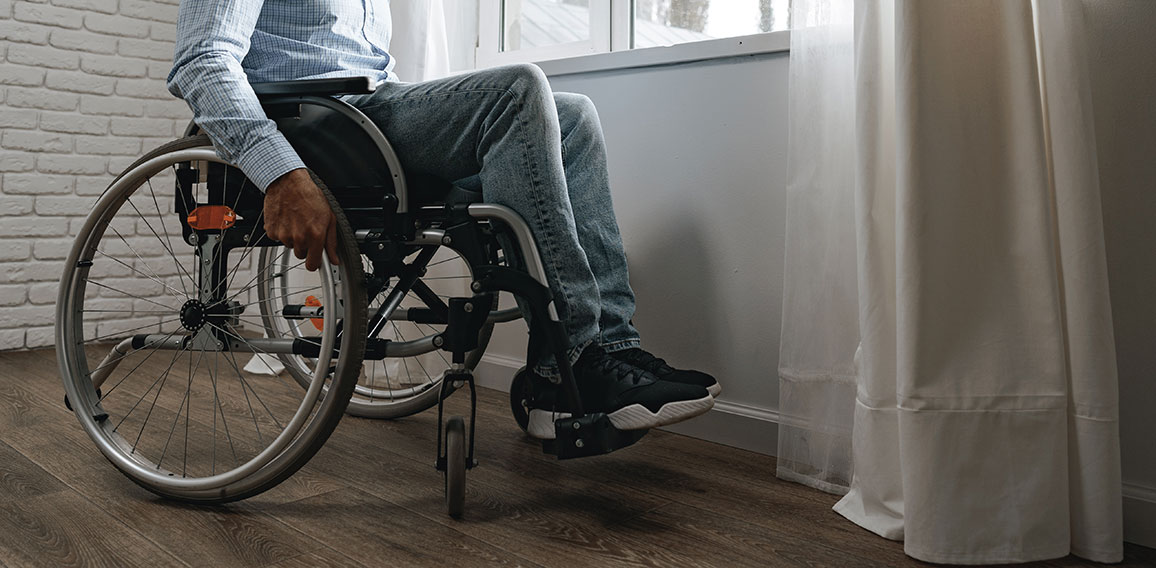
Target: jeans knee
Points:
(577, 118)
(525, 80)
(575, 105)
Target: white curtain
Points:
(433, 38)
(947, 328)
(420, 43)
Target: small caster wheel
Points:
(520, 396)
(455, 466)
(68, 404)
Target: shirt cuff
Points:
(268, 160)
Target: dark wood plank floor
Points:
(371, 497)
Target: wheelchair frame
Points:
(406, 219)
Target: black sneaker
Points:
(644, 360)
(632, 398)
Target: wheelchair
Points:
(172, 294)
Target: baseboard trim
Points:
(497, 371)
(1140, 515)
(728, 423)
(737, 425)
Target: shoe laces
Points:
(621, 369)
(608, 365)
(646, 360)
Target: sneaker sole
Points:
(633, 417)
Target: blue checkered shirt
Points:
(223, 45)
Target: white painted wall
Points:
(697, 158)
(1122, 45)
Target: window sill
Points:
(757, 44)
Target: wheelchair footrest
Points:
(590, 435)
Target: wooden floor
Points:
(371, 497)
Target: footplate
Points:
(590, 435)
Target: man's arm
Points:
(212, 40)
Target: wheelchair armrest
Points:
(316, 87)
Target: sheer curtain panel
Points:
(946, 311)
(420, 44)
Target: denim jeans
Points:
(539, 153)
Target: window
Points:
(668, 22)
(537, 30)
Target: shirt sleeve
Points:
(212, 39)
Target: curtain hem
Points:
(801, 479)
(1050, 552)
(844, 508)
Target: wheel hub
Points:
(193, 315)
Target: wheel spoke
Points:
(130, 267)
(182, 271)
(251, 281)
(160, 379)
(224, 234)
(429, 378)
(119, 291)
(188, 390)
(234, 333)
(224, 423)
(250, 387)
(442, 261)
(134, 369)
(282, 296)
(121, 332)
(256, 426)
(134, 252)
(249, 239)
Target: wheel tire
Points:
(455, 466)
(315, 416)
(520, 396)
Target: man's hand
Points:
(298, 215)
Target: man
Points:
(539, 153)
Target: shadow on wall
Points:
(1123, 80)
(679, 318)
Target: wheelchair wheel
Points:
(455, 466)
(154, 324)
(396, 386)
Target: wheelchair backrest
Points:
(342, 151)
(350, 154)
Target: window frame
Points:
(611, 29)
(611, 46)
(760, 44)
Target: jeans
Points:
(539, 153)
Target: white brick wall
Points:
(82, 94)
